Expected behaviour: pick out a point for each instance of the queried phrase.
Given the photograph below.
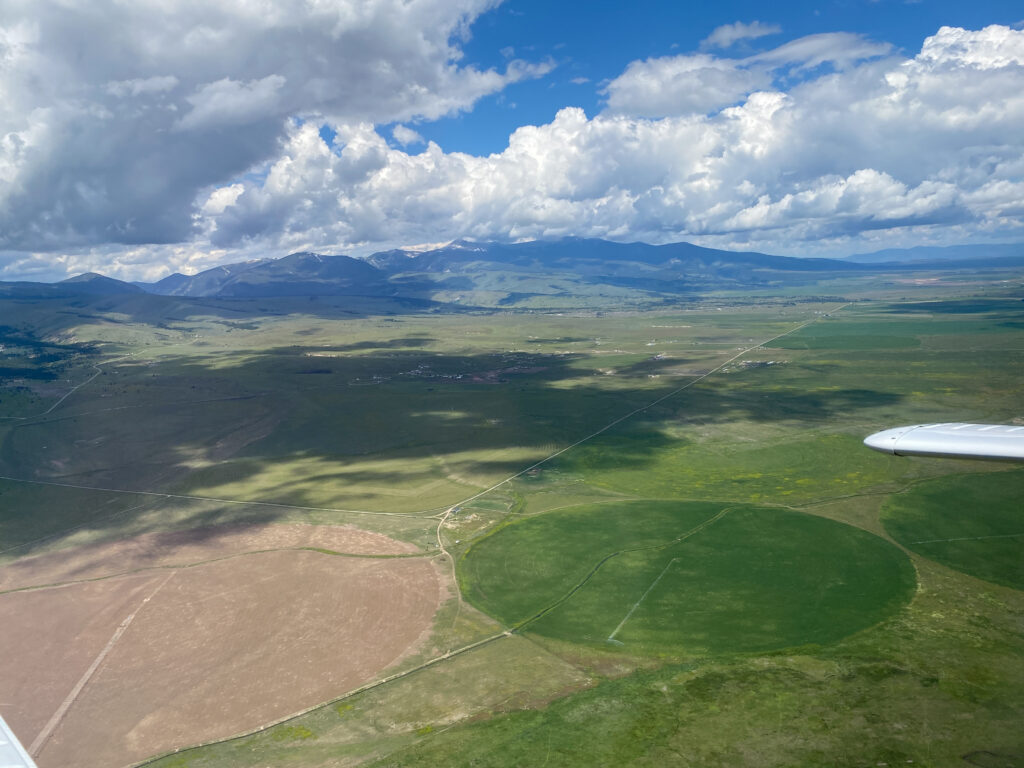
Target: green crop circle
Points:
(694, 577)
(973, 523)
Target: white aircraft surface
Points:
(12, 754)
(953, 441)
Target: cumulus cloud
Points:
(221, 199)
(728, 34)
(994, 47)
(701, 83)
(880, 150)
(825, 144)
(114, 116)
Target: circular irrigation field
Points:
(693, 577)
(973, 523)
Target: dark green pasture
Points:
(973, 523)
(905, 326)
(662, 577)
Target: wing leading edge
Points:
(955, 441)
(12, 754)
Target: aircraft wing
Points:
(12, 754)
(954, 441)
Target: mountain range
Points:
(501, 274)
(537, 267)
(951, 253)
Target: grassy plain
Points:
(385, 416)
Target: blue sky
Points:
(596, 40)
(142, 138)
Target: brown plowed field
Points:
(49, 638)
(195, 545)
(210, 650)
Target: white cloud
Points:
(701, 83)
(675, 85)
(728, 34)
(828, 143)
(228, 102)
(876, 153)
(841, 49)
(115, 116)
(994, 47)
(221, 199)
(144, 262)
(406, 136)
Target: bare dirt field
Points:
(106, 673)
(196, 545)
(50, 638)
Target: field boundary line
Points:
(187, 497)
(69, 530)
(176, 404)
(971, 538)
(199, 563)
(48, 729)
(354, 692)
(642, 408)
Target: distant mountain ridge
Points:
(95, 283)
(599, 256)
(298, 274)
(501, 274)
(201, 284)
(927, 253)
(466, 265)
(578, 264)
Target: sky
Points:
(144, 137)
